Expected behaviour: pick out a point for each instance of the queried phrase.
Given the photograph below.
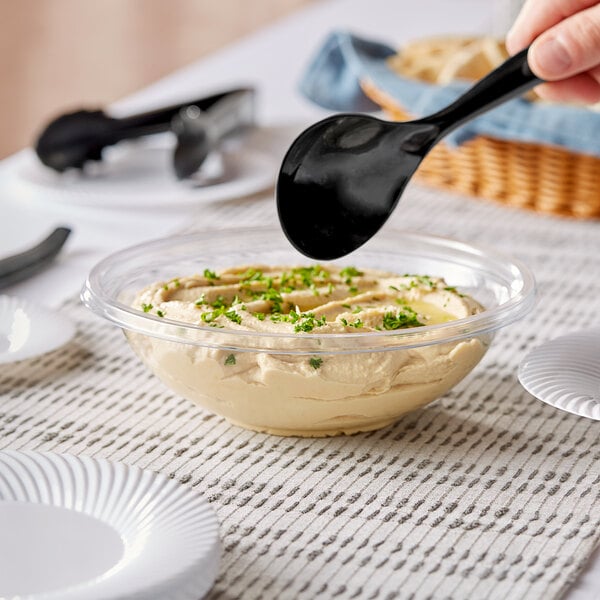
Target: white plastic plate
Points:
(28, 330)
(140, 175)
(81, 528)
(565, 373)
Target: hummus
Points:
(309, 394)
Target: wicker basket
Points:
(543, 178)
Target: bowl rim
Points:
(489, 320)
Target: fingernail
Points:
(551, 58)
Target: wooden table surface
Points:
(57, 55)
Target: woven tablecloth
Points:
(486, 493)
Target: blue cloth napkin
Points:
(332, 81)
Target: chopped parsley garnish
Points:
(147, 307)
(357, 324)
(274, 297)
(286, 283)
(251, 275)
(452, 289)
(219, 302)
(210, 274)
(315, 362)
(424, 280)
(403, 319)
(350, 272)
(293, 316)
(233, 316)
(272, 288)
(307, 322)
(230, 360)
(308, 275)
(211, 315)
(303, 321)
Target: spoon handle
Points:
(511, 79)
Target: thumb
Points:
(570, 47)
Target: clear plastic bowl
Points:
(365, 380)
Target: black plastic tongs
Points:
(72, 139)
(200, 132)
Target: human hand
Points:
(565, 47)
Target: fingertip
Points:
(510, 44)
(568, 48)
(580, 89)
(513, 41)
(550, 58)
(519, 35)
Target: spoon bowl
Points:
(342, 177)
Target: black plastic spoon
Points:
(342, 177)
(72, 139)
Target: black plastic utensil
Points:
(199, 132)
(342, 177)
(72, 139)
(25, 264)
